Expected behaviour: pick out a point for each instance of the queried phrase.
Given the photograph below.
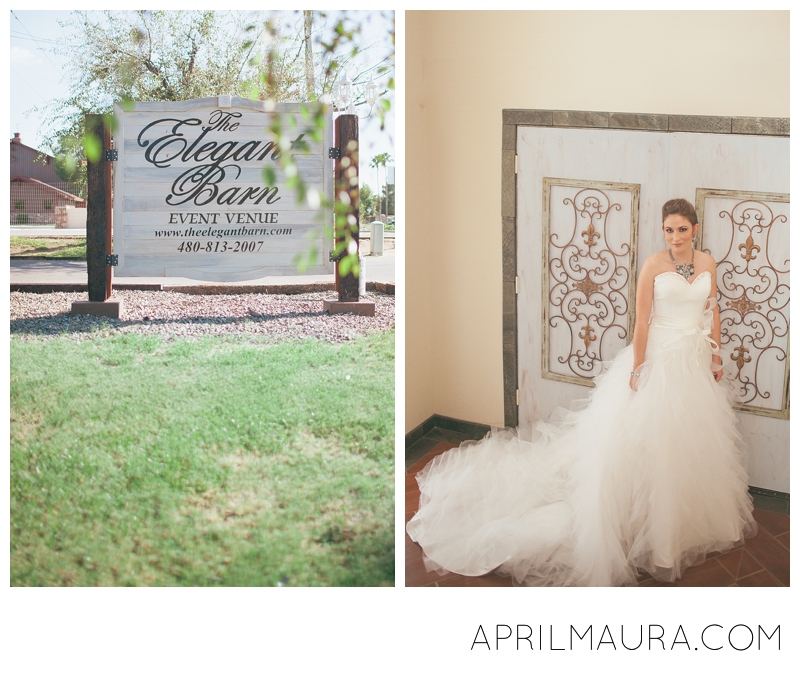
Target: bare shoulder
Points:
(645, 282)
(704, 261)
(653, 265)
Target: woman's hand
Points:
(634, 382)
(716, 368)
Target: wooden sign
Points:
(191, 199)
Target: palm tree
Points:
(382, 159)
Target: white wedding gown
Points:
(624, 482)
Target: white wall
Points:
(76, 217)
(463, 68)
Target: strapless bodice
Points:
(678, 303)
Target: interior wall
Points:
(418, 286)
(463, 69)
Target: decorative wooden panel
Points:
(665, 165)
(190, 192)
(588, 281)
(748, 235)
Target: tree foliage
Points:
(145, 56)
(367, 205)
(381, 160)
(177, 55)
(119, 56)
(68, 168)
(388, 199)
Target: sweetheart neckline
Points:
(672, 272)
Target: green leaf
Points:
(302, 262)
(66, 165)
(110, 121)
(312, 254)
(92, 147)
(252, 92)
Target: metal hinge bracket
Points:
(516, 284)
(336, 257)
(516, 164)
(112, 155)
(334, 153)
(517, 396)
(112, 260)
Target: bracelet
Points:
(636, 373)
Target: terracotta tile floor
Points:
(762, 561)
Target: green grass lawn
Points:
(224, 461)
(23, 247)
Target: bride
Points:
(644, 476)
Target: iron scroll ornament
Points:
(753, 296)
(587, 283)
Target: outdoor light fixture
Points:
(344, 98)
(344, 95)
(371, 92)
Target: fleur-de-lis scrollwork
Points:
(740, 356)
(747, 248)
(743, 305)
(587, 334)
(753, 297)
(590, 236)
(587, 286)
(588, 281)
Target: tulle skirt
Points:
(622, 483)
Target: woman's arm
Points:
(644, 305)
(715, 327)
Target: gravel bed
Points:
(173, 314)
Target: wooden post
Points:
(346, 192)
(96, 215)
(346, 188)
(346, 182)
(98, 227)
(109, 209)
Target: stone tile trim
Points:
(477, 431)
(537, 118)
(705, 124)
(515, 117)
(509, 137)
(509, 184)
(415, 435)
(762, 126)
(708, 124)
(638, 121)
(574, 118)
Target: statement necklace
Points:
(685, 269)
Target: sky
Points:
(37, 76)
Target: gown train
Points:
(621, 483)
